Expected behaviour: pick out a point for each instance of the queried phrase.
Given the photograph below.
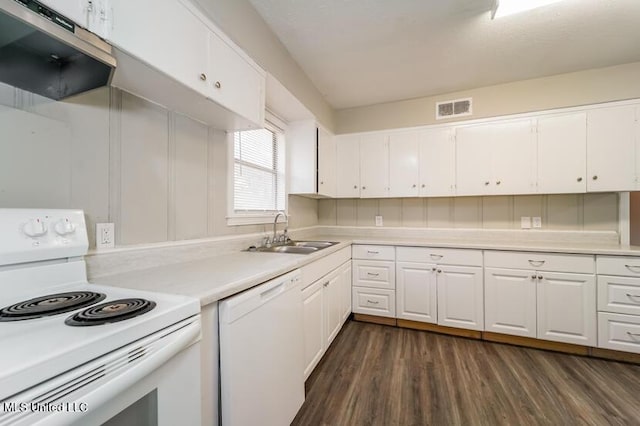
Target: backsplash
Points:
(158, 175)
(567, 212)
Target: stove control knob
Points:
(64, 227)
(34, 228)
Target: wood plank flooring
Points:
(379, 375)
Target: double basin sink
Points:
(295, 247)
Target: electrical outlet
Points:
(525, 222)
(105, 236)
(379, 221)
(537, 222)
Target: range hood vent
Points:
(45, 53)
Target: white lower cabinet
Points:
(619, 303)
(541, 303)
(326, 306)
(460, 297)
(416, 291)
(374, 301)
(374, 280)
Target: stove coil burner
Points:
(51, 304)
(112, 311)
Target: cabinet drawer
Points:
(619, 332)
(439, 256)
(374, 252)
(378, 274)
(619, 294)
(373, 301)
(618, 265)
(555, 262)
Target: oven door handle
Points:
(177, 342)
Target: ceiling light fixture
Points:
(502, 8)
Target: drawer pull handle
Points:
(373, 252)
(536, 262)
(373, 302)
(633, 335)
(436, 256)
(633, 268)
(633, 296)
(371, 274)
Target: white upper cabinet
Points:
(326, 163)
(374, 165)
(179, 48)
(311, 151)
(232, 82)
(562, 153)
(403, 164)
(611, 149)
(496, 158)
(437, 158)
(180, 53)
(348, 166)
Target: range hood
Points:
(45, 53)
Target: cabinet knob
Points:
(439, 271)
(355, 186)
(203, 77)
(498, 182)
(218, 85)
(433, 269)
(539, 277)
(486, 183)
(414, 186)
(533, 277)
(321, 183)
(579, 179)
(423, 185)
(595, 177)
(364, 187)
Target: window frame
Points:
(277, 126)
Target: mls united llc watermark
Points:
(67, 407)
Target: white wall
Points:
(158, 175)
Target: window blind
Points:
(259, 179)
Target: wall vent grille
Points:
(454, 108)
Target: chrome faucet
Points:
(275, 222)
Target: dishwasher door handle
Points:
(272, 292)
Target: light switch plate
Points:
(537, 222)
(525, 222)
(379, 221)
(105, 236)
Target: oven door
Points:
(154, 381)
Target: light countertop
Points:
(218, 277)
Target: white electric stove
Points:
(72, 352)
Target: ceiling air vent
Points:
(455, 108)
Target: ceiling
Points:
(363, 52)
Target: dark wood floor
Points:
(380, 375)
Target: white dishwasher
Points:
(261, 354)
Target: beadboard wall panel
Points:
(589, 212)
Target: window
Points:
(258, 186)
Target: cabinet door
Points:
(460, 297)
(510, 301)
(348, 166)
(562, 154)
(437, 163)
(345, 283)
(567, 308)
(374, 166)
(234, 83)
(179, 53)
(416, 292)
(611, 149)
(333, 307)
(403, 164)
(513, 158)
(326, 163)
(473, 160)
(313, 322)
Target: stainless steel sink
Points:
(295, 247)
